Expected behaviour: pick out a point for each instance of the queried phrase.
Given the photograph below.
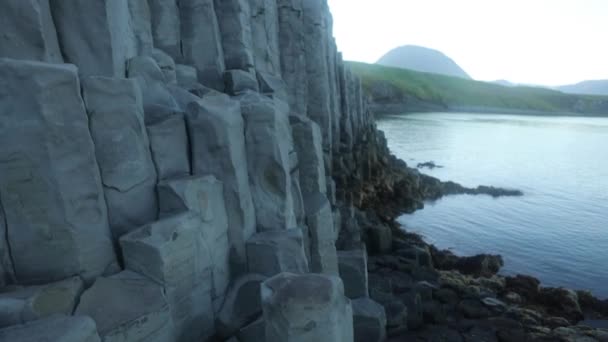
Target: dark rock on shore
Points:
(430, 165)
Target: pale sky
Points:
(548, 42)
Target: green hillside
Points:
(388, 85)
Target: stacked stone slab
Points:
(204, 196)
(175, 253)
(216, 132)
(309, 307)
(116, 121)
(28, 31)
(52, 198)
(97, 36)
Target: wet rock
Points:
(201, 41)
(369, 320)
(561, 302)
(137, 312)
(116, 120)
(473, 308)
(56, 328)
(353, 271)
(482, 265)
(525, 286)
(242, 305)
(98, 37)
(36, 302)
(215, 128)
(273, 252)
(203, 196)
(317, 310)
(28, 31)
(52, 198)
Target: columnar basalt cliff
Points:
(193, 170)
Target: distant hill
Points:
(396, 90)
(599, 87)
(422, 59)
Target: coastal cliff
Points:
(198, 170)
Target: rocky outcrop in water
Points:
(200, 170)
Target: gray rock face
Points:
(50, 186)
(307, 141)
(122, 148)
(137, 311)
(353, 271)
(216, 128)
(369, 320)
(151, 80)
(56, 328)
(205, 197)
(166, 63)
(169, 146)
(97, 36)
(7, 273)
(36, 302)
(141, 19)
(265, 34)
(320, 222)
(293, 54)
(234, 18)
(187, 76)
(310, 307)
(239, 81)
(272, 86)
(201, 41)
(315, 47)
(28, 31)
(273, 252)
(268, 137)
(166, 26)
(242, 304)
(254, 332)
(175, 252)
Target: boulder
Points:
(242, 305)
(166, 26)
(254, 332)
(353, 271)
(56, 328)
(97, 36)
(293, 54)
(269, 143)
(561, 302)
(525, 286)
(52, 197)
(28, 31)
(239, 81)
(217, 143)
(234, 18)
(141, 19)
(201, 41)
(203, 196)
(310, 307)
(169, 147)
(273, 252)
(138, 309)
(116, 121)
(369, 320)
(265, 35)
(308, 144)
(35, 302)
(319, 219)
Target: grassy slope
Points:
(455, 92)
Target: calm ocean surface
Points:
(558, 231)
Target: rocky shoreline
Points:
(435, 295)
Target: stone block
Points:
(187, 76)
(215, 128)
(320, 223)
(353, 271)
(310, 307)
(234, 18)
(170, 147)
(96, 36)
(239, 81)
(52, 197)
(116, 121)
(241, 306)
(166, 26)
(56, 328)
(273, 252)
(128, 308)
(369, 320)
(141, 19)
(203, 196)
(265, 36)
(28, 31)
(308, 144)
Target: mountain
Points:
(599, 87)
(397, 90)
(422, 59)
